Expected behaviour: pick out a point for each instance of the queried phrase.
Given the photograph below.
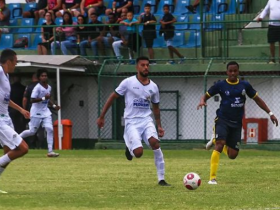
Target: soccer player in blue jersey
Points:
(228, 123)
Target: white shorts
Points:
(36, 122)
(8, 136)
(137, 129)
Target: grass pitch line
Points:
(3, 192)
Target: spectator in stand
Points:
(47, 35)
(53, 6)
(149, 30)
(67, 36)
(110, 34)
(72, 6)
(34, 13)
(273, 35)
(192, 8)
(4, 17)
(91, 6)
(167, 29)
(87, 36)
(123, 6)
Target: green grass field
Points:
(104, 179)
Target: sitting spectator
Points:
(69, 41)
(109, 35)
(34, 12)
(52, 6)
(124, 6)
(71, 6)
(87, 36)
(47, 35)
(168, 30)
(149, 30)
(4, 17)
(193, 7)
(91, 6)
(128, 39)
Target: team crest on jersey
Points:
(243, 92)
(227, 92)
(151, 91)
(6, 98)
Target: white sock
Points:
(159, 162)
(50, 139)
(4, 160)
(26, 133)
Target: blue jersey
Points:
(233, 98)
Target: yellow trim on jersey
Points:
(232, 83)
(208, 94)
(255, 95)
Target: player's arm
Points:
(108, 104)
(24, 102)
(53, 105)
(203, 100)
(264, 107)
(156, 112)
(37, 100)
(25, 113)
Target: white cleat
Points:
(3, 192)
(210, 143)
(52, 154)
(213, 181)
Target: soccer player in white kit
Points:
(139, 91)
(40, 113)
(13, 145)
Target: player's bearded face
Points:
(143, 68)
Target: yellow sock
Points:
(225, 150)
(215, 158)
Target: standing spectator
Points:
(17, 91)
(123, 6)
(87, 36)
(4, 17)
(91, 6)
(34, 12)
(70, 42)
(109, 35)
(273, 35)
(149, 30)
(47, 35)
(167, 29)
(196, 3)
(72, 6)
(53, 6)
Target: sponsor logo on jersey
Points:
(141, 103)
(6, 98)
(227, 92)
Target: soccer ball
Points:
(192, 181)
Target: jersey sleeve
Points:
(35, 92)
(122, 88)
(155, 97)
(213, 90)
(250, 91)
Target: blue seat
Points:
(205, 5)
(137, 6)
(152, 3)
(231, 7)
(40, 22)
(159, 42)
(26, 22)
(194, 40)
(108, 3)
(178, 39)
(163, 2)
(16, 10)
(242, 6)
(221, 6)
(75, 19)
(180, 7)
(216, 26)
(184, 19)
(13, 22)
(196, 22)
(29, 6)
(58, 21)
(36, 41)
(28, 38)
(6, 41)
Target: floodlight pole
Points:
(59, 125)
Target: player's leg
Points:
(151, 139)
(47, 124)
(233, 142)
(34, 124)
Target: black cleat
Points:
(191, 8)
(127, 154)
(163, 183)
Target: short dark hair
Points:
(81, 16)
(141, 58)
(232, 63)
(93, 13)
(130, 12)
(148, 5)
(6, 55)
(41, 71)
(166, 5)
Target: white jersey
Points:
(5, 90)
(273, 9)
(138, 97)
(40, 109)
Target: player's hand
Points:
(259, 19)
(274, 120)
(160, 131)
(201, 104)
(25, 113)
(47, 96)
(57, 108)
(100, 122)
